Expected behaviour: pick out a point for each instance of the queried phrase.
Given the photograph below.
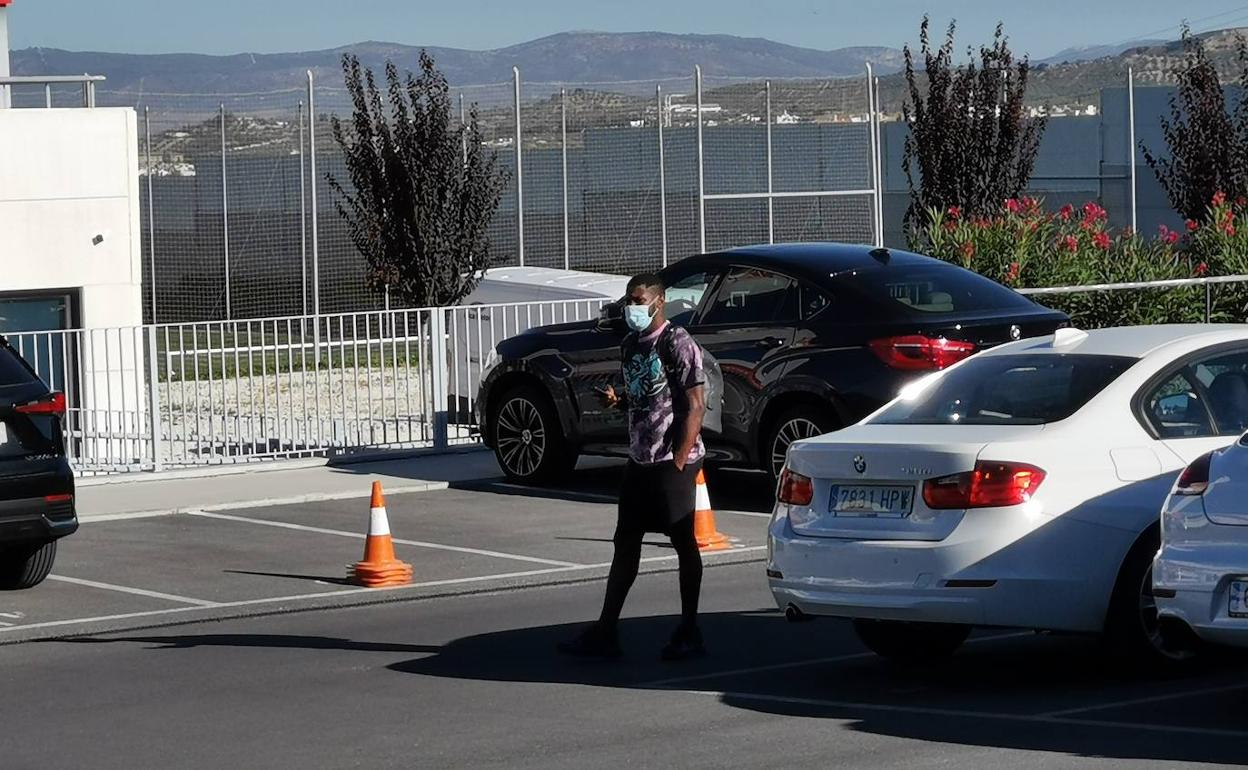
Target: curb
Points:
(315, 497)
(362, 597)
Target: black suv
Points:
(36, 483)
(810, 337)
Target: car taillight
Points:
(915, 352)
(54, 403)
(990, 485)
(1194, 479)
(795, 489)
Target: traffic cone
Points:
(379, 566)
(709, 538)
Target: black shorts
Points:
(654, 497)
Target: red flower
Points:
(1071, 243)
(1011, 275)
(1101, 240)
(1172, 237)
(1066, 212)
(1030, 204)
(1201, 269)
(1229, 229)
(1241, 201)
(1192, 225)
(950, 225)
(955, 212)
(1093, 212)
(968, 249)
(1219, 198)
(1013, 205)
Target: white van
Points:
(507, 294)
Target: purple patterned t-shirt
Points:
(657, 395)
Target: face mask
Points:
(637, 317)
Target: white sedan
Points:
(1200, 575)
(1019, 488)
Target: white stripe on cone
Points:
(378, 523)
(703, 499)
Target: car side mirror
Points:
(611, 318)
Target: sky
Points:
(270, 26)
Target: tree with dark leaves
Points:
(971, 143)
(1208, 143)
(422, 187)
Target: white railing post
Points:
(1131, 140)
(225, 217)
(515, 76)
(697, 75)
(563, 151)
(440, 379)
(153, 398)
(771, 215)
(658, 99)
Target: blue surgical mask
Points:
(637, 317)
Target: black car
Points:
(36, 482)
(809, 337)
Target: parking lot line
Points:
(135, 591)
(361, 536)
(1151, 699)
(964, 714)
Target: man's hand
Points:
(608, 397)
(680, 462)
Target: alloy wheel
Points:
(521, 437)
(795, 429)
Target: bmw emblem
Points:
(1016, 333)
(860, 464)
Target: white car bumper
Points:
(1199, 576)
(996, 569)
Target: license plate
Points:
(871, 501)
(1239, 599)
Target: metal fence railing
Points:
(1207, 284)
(218, 392)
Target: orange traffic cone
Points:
(709, 538)
(379, 567)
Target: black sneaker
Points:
(594, 642)
(686, 643)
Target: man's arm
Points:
(692, 426)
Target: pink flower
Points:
(1172, 237)
(1241, 201)
(955, 212)
(1013, 206)
(1093, 212)
(1201, 269)
(950, 225)
(1192, 225)
(1066, 212)
(1101, 240)
(968, 249)
(1229, 229)
(1071, 243)
(1030, 204)
(1011, 275)
(1219, 198)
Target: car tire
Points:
(903, 642)
(528, 439)
(791, 425)
(1132, 632)
(26, 566)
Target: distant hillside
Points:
(572, 57)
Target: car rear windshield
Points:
(935, 289)
(13, 373)
(1008, 390)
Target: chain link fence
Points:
(609, 177)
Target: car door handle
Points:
(770, 342)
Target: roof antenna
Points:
(881, 255)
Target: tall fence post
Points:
(316, 252)
(515, 79)
(1131, 141)
(463, 138)
(439, 379)
(225, 216)
(303, 214)
(153, 397)
(697, 78)
(879, 162)
(658, 98)
(872, 117)
(151, 211)
(771, 223)
(563, 149)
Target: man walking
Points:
(664, 392)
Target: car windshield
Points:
(13, 374)
(935, 289)
(1006, 390)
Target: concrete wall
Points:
(66, 177)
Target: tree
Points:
(422, 188)
(1208, 144)
(970, 139)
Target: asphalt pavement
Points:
(232, 641)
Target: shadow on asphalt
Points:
(729, 489)
(272, 641)
(993, 693)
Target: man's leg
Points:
(624, 566)
(690, 557)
